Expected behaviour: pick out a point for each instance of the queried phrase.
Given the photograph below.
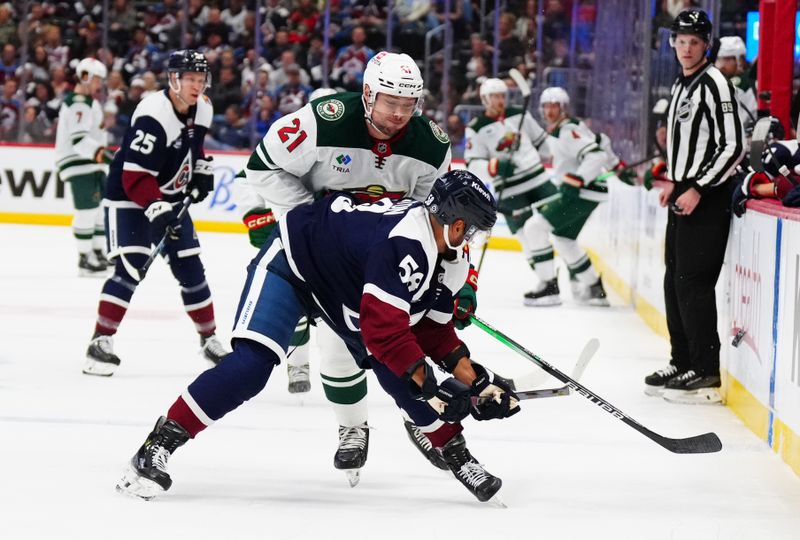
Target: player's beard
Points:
(388, 129)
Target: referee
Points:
(704, 144)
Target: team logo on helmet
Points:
(330, 109)
(439, 132)
(373, 192)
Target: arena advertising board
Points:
(650, 268)
(787, 368)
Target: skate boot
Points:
(299, 381)
(100, 357)
(89, 266)
(694, 388)
(212, 349)
(546, 295)
(101, 258)
(596, 295)
(468, 471)
(352, 452)
(146, 476)
(654, 383)
(421, 443)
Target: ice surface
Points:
(265, 470)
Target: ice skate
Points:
(89, 266)
(595, 295)
(654, 383)
(146, 475)
(299, 380)
(546, 295)
(351, 455)
(101, 258)
(100, 357)
(693, 388)
(212, 349)
(423, 444)
(468, 471)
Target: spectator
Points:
(267, 115)
(111, 124)
(279, 76)
(348, 69)
(8, 28)
(277, 46)
(37, 128)
(10, 107)
(150, 83)
(226, 91)
(59, 82)
(9, 62)
(130, 102)
(234, 16)
(456, 131)
(260, 89)
(115, 87)
(123, 21)
(57, 51)
(231, 133)
(292, 95)
(215, 26)
(512, 51)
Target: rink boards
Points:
(758, 293)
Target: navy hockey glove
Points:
(739, 199)
(163, 221)
(259, 222)
(466, 300)
(202, 179)
(792, 198)
(496, 399)
(449, 397)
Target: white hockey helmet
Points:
(393, 74)
(321, 92)
(92, 67)
(554, 94)
(731, 46)
(492, 86)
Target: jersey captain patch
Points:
(438, 132)
(330, 109)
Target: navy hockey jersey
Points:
(375, 269)
(157, 154)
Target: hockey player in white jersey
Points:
(373, 144)
(731, 62)
(580, 161)
(509, 160)
(82, 159)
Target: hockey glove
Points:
(625, 174)
(449, 397)
(260, 223)
(739, 199)
(792, 198)
(570, 187)
(202, 179)
(104, 155)
(496, 399)
(163, 221)
(657, 172)
(501, 167)
(466, 300)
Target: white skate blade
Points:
(353, 476)
(702, 396)
(133, 485)
(496, 501)
(654, 391)
(100, 369)
(544, 301)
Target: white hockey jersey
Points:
(325, 146)
(79, 135)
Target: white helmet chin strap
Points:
(447, 239)
(177, 87)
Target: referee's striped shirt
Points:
(705, 137)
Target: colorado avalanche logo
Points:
(179, 181)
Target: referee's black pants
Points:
(694, 251)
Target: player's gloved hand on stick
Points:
(104, 155)
(502, 168)
(495, 398)
(570, 187)
(466, 300)
(625, 174)
(739, 199)
(259, 222)
(202, 179)
(657, 172)
(163, 221)
(449, 397)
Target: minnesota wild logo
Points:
(330, 109)
(438, 132)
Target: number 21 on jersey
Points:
(285, 132)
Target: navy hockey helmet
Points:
(187, 61)
(459, 194)
(692, 21)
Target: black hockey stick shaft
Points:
(700, 444)
(153, 254)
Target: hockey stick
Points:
(700, 444)
(525, 90)
(580, 366)
(758, 142)
(153, 254)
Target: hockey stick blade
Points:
(758, 142)
(519, 80)
(586, 355)
(700, 444)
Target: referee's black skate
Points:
(100, 357)
(468, 471)
(352, 452)
(146, 476)
(423, 444)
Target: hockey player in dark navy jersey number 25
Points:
(160, 161)
(384, 277)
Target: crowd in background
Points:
(256, 83)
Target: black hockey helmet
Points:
(692, 21)
(459, 194)
(188, 60)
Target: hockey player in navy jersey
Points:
(384, 277)
(160, 160)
